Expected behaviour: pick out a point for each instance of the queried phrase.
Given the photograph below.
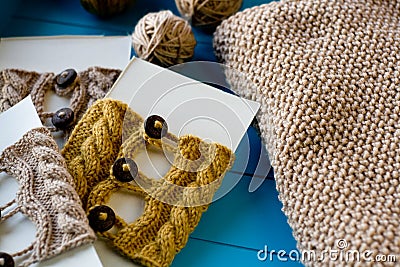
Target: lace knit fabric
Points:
(174, 204)
(90, 85)
(46, 196)
(327, 76)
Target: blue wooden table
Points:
(236, 228)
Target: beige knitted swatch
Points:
(327, 76)
(46, 196)
(90, 85)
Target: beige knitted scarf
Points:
(327, 76)
(82, 88)
(46, 196)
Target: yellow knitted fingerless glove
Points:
(100, 155)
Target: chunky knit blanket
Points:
(327, 76)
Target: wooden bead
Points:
(101, 218)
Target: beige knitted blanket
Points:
(327, 76)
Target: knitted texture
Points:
(90, 85)
(46, 196)
(174, 203)
(327, 76)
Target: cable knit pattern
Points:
(90, 85)
(46, 196)
(94, 145)
(327, 76)
(174, 204)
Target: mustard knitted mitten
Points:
(327, 76)
(100, 155)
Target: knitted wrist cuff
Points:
(46, 196)
(327, 76)
(83, 89)
(104, 143)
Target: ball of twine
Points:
(106, 8)
(207, 13)
(163, 38)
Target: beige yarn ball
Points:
(164, 39)
(207, 13)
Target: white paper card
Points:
(189, 107)
(16, 121)
(18, 232)
(57, 53)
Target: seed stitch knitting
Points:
(174, 204)
(327, 76)
(46, 196)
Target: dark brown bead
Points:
(66, 78)
(63, 118)
(155, 127)
(125, 169)
(6, 260)
(101, 218)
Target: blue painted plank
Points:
(7, 10)
(67, 11)
(200, 253)
(252, 157)
(18, 26)
(71, 13)
(246, 219)
(26, 27)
